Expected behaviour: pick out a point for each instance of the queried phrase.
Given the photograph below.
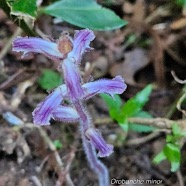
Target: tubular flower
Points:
(99, 143)
(44, 111)
(37, 45)
(111, 87)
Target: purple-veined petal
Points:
(99, 143)
(81, 44)
(65, 114)
(72, 78)
(43, 112)
(111, 87)
(37, 45)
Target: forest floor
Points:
(145, 51)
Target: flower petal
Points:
(81, 44)
(43, 112)
(114, 86)
(97, 140)
(37, 45)
(66, 114)
(72, 78)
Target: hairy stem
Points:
(97, 166)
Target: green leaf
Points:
(176, 130)
(112, 103)
(159, 157)
(124, 125)
(170, 139)
(135, 104)
(49, 79)
(114, 106)
(172, 152)
(181, 2)
(143, 114)
(175, 166)
(140, 128)
(57, 144)
(24, 8)
(86, 14)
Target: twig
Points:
(53, 156)
(160, 123)
(103, 121)
(180, 178)
(177, 79)
(35, 180)
(7, 83)
(9, 43)
(142, 140)
(180, 101)
(68, 178)
(17, 96)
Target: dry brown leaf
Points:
(135, 60)
(178, 24)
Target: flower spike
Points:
(69, 52)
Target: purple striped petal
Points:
(72, 78)
(97, 140)
(81, 44)
(43, 112)
(65, 114)
(111, 87)
(37, 45)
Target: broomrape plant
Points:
(68, 52)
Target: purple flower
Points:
(97, 140)
(37, 45)
(111, 87)
(50, 107)
(65, 114)
(81, 42)
(72, 78)
(66, 48)
(69, 52)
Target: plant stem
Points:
(97, 166)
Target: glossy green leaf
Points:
(135, 104)
(170, 139)
(159, 157)
(86, 14)
(181, 2)
(114, 106)
(24, 8)
(124, 125)
(172, 152)
(176, 130)
(49, 79)
(141, 128)
(175, 166)
(57, 144)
